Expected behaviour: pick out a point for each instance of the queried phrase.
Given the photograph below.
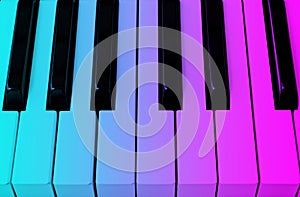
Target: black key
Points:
(103, 84)
(214, 41)
(170, 83)
(63, 54)
(17, 84)
(280, 55)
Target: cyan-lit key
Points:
(276, 147)
(32, 170)
(74, 163)
(116, 160)
(293, 15)
(238, 173)
(197, 174)
(155, 131)
(8, 120)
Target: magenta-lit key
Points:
(155, 142)
(293, 16)
(236, 144)
(277, 156)
(196, 169)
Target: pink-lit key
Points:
(236, 144)
(155, 142)
(277, 156)
(293, 16)
(196, 169)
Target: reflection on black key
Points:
(280, 55)
(16, 90)
(104, 76)
(170, 83)
(63, 53)
(214, 41)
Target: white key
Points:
(238, 173)
(8, 120)
(277, 157)
(33, 166)
(74, 162)
(197, 172)
(155, 165)
(116, 140)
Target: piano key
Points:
(74, 162)
(114, 125)
(238, 171)
(121, 165)
(16, 90)
(277, 156)
(196, 174)
(104, 78)
(169, 17)
(292, 7)
(63, 52)
(32, 170)
(8, 128)
(155, 164)
(8, 120)
(280, 55)
(214, 41)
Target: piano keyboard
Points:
(80, 120)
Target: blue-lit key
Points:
(32, 170)
(156, 150)
(8, 120)
(115, 169)
(74, 164)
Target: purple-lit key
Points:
(293, 15)
(236, 144)
(196, 167)
(277, 156)
(116, 169)
(155, 146)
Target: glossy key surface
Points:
(74, 162)
(280, 55)
(238, 173)
(292, 7)
(63, 55)
(170, 87)
(196, 172)
(277, 156)
(117, 126)
(104, 73)
(16, 90)
(8, 120)
(155, 133)
(214, 42)
(33, 164)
